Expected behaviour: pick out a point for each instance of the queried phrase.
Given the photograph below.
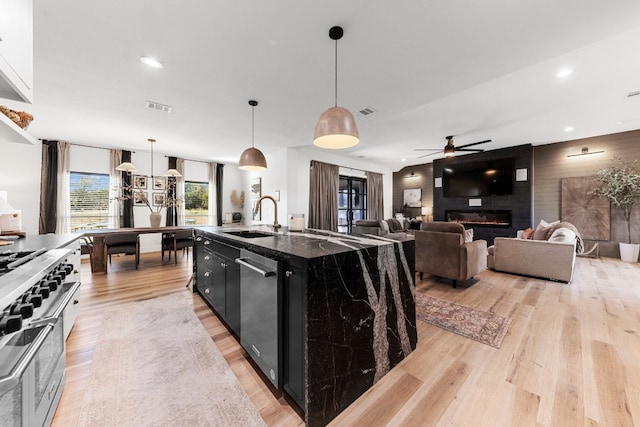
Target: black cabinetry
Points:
(218, 279)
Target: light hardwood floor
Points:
(571, 356)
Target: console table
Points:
(98, 255)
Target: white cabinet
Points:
(16, 50)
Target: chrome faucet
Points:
(275, 225)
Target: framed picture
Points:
(140, 197)
(158, 199)
(159, 183)
(140, 182)
(413, 198)
(256, 188)
(256, 216)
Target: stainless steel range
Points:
(39, 295)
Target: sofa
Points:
(380, 227)
(551, 256)
(445, 249)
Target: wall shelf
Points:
(11, 132)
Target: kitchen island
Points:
(341, 309)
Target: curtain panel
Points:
(323, 196)
(115, 185)
(216, 175)
(63, 196)
(375, 199)
(171, 214)
(180, 191)
(48, 188)
(126, 221)
(219, 182)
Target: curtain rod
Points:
(359, 170)
(91, 146)
(193, 160)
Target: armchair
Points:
(182, 239)
(123, 243)
(441, 251)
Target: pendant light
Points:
(252, 159)
(129, 167)
(336, 127)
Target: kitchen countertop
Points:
(307, 244)
(38, 241)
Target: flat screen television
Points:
(479, 179)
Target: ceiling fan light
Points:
(449, 151)
(127, 167)
(336, 129)
(252, 159)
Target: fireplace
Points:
(488, 218)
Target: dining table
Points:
(98, 253)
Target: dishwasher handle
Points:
(243, 261)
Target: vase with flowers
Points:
(165, 199)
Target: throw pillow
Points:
(384, 226)
(563, 235)
(394, 225)
(527, 233)
(468, 235)
(540, 233)
(399, 217)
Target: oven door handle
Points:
(63, 304)
(243, 261)
(13, 379)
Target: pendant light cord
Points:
(151, 142)
(253, 124)
(336, 74)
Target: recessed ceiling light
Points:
(151, 61)
(565, 72)
(568, 129)
(403, 159)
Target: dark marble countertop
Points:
(307, 244)
(38, 241)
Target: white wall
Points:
(288, 171)
(233, 179)
(20, 178)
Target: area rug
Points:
(155, 365)
(487, 328)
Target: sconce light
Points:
(412, 175)
(585, 152)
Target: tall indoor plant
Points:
(620, 184)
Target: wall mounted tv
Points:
(479, 179)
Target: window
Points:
(352, 198)
(196, 203)
(89, 197)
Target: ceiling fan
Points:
(450, 149)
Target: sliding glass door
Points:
(352, 202)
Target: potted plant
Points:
(620, 184)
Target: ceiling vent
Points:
(634, 93)
(367, 110)
(160, 107)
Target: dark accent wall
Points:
(404, 180)
(549, 164)
(552, 164)
(519, 203)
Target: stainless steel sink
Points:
(249, 234)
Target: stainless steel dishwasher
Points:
(260, 312)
